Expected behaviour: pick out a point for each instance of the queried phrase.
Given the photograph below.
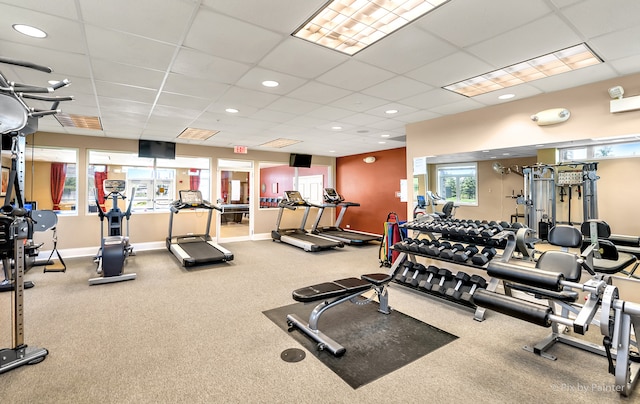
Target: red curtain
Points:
(194, 179)
(98, 179)
(58, 176)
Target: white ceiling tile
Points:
(291, 105)
(300, 58)
(105, 70)
(128, 49)
(432, 99)
(183, 101)
(594, 17)
(457, 106)
(397, 88)
(140, 18)
(222, 36)
(253, 80)
(116, 105)
(359, 102)
(196, 64)
(138, 94)
(194, 87)
(354, 75)
(450, 69)
(617, 45)
(405, 50)
(269, 14)
(240, 96)
(60, 8)
(62, 63)
(62, 33)
(466, 22)
(318, 92)
(546, 35)
(330, 113)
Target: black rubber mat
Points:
(376, 343)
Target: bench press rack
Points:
(342, 290)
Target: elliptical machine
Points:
(115, 247)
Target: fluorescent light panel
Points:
(197, 134)
(280, 143)
(349, 26)
(78, 121)
(573, 58)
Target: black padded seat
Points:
(328, 290)
(614, 258)
(562, 262)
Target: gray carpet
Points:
(376, 344)
(200, 336)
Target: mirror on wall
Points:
(275, 178)
(51, 178)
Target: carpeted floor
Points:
(200, 336)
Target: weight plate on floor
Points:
(292, 355)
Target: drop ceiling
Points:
(150, 69)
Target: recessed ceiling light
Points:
(232, 110)
(280, 143)
(391, 111)
(332, 151)
(382, 142)
(564, 60)
(349, 26)
(505, 154)
(385, 135)
(336, 127)
(506, 96)
(486, 151)
(270, 83)
(29, 31)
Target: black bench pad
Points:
(328, 290)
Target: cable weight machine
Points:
(541, 184)
(17, 119)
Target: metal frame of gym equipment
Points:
(17, 119)
(343, 290)
(540, 182)
(114, 248)
(618, 319)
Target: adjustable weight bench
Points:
(333, 294)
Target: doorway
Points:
(234, 222)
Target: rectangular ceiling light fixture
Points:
(78, 121)
(280, 143)
(573, 58)
(197, 134)
(349, 26)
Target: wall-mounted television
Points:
(156, 149)
(300, 160)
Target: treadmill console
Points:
(294, 198)
(191, 198)
(331, 196)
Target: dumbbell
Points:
(426, 283)
(477, 282)
(419, 245)
(455, 292)
(404, 244)
(484, 257)
(435, 249)
(444, 275)
(425, 245)
(402, 276)
(418, 269)
(468, 252)
(448, 253)
(492, 231)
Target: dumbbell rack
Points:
(511, 243)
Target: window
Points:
(458, 183)
(600, 151)
(154, 183)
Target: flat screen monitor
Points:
(300, 160)
(31, 205)
(156, 149)
(421, 201)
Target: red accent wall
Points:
(373, 186)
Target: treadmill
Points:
(195, 249)
(299, 237)
(351, 237)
